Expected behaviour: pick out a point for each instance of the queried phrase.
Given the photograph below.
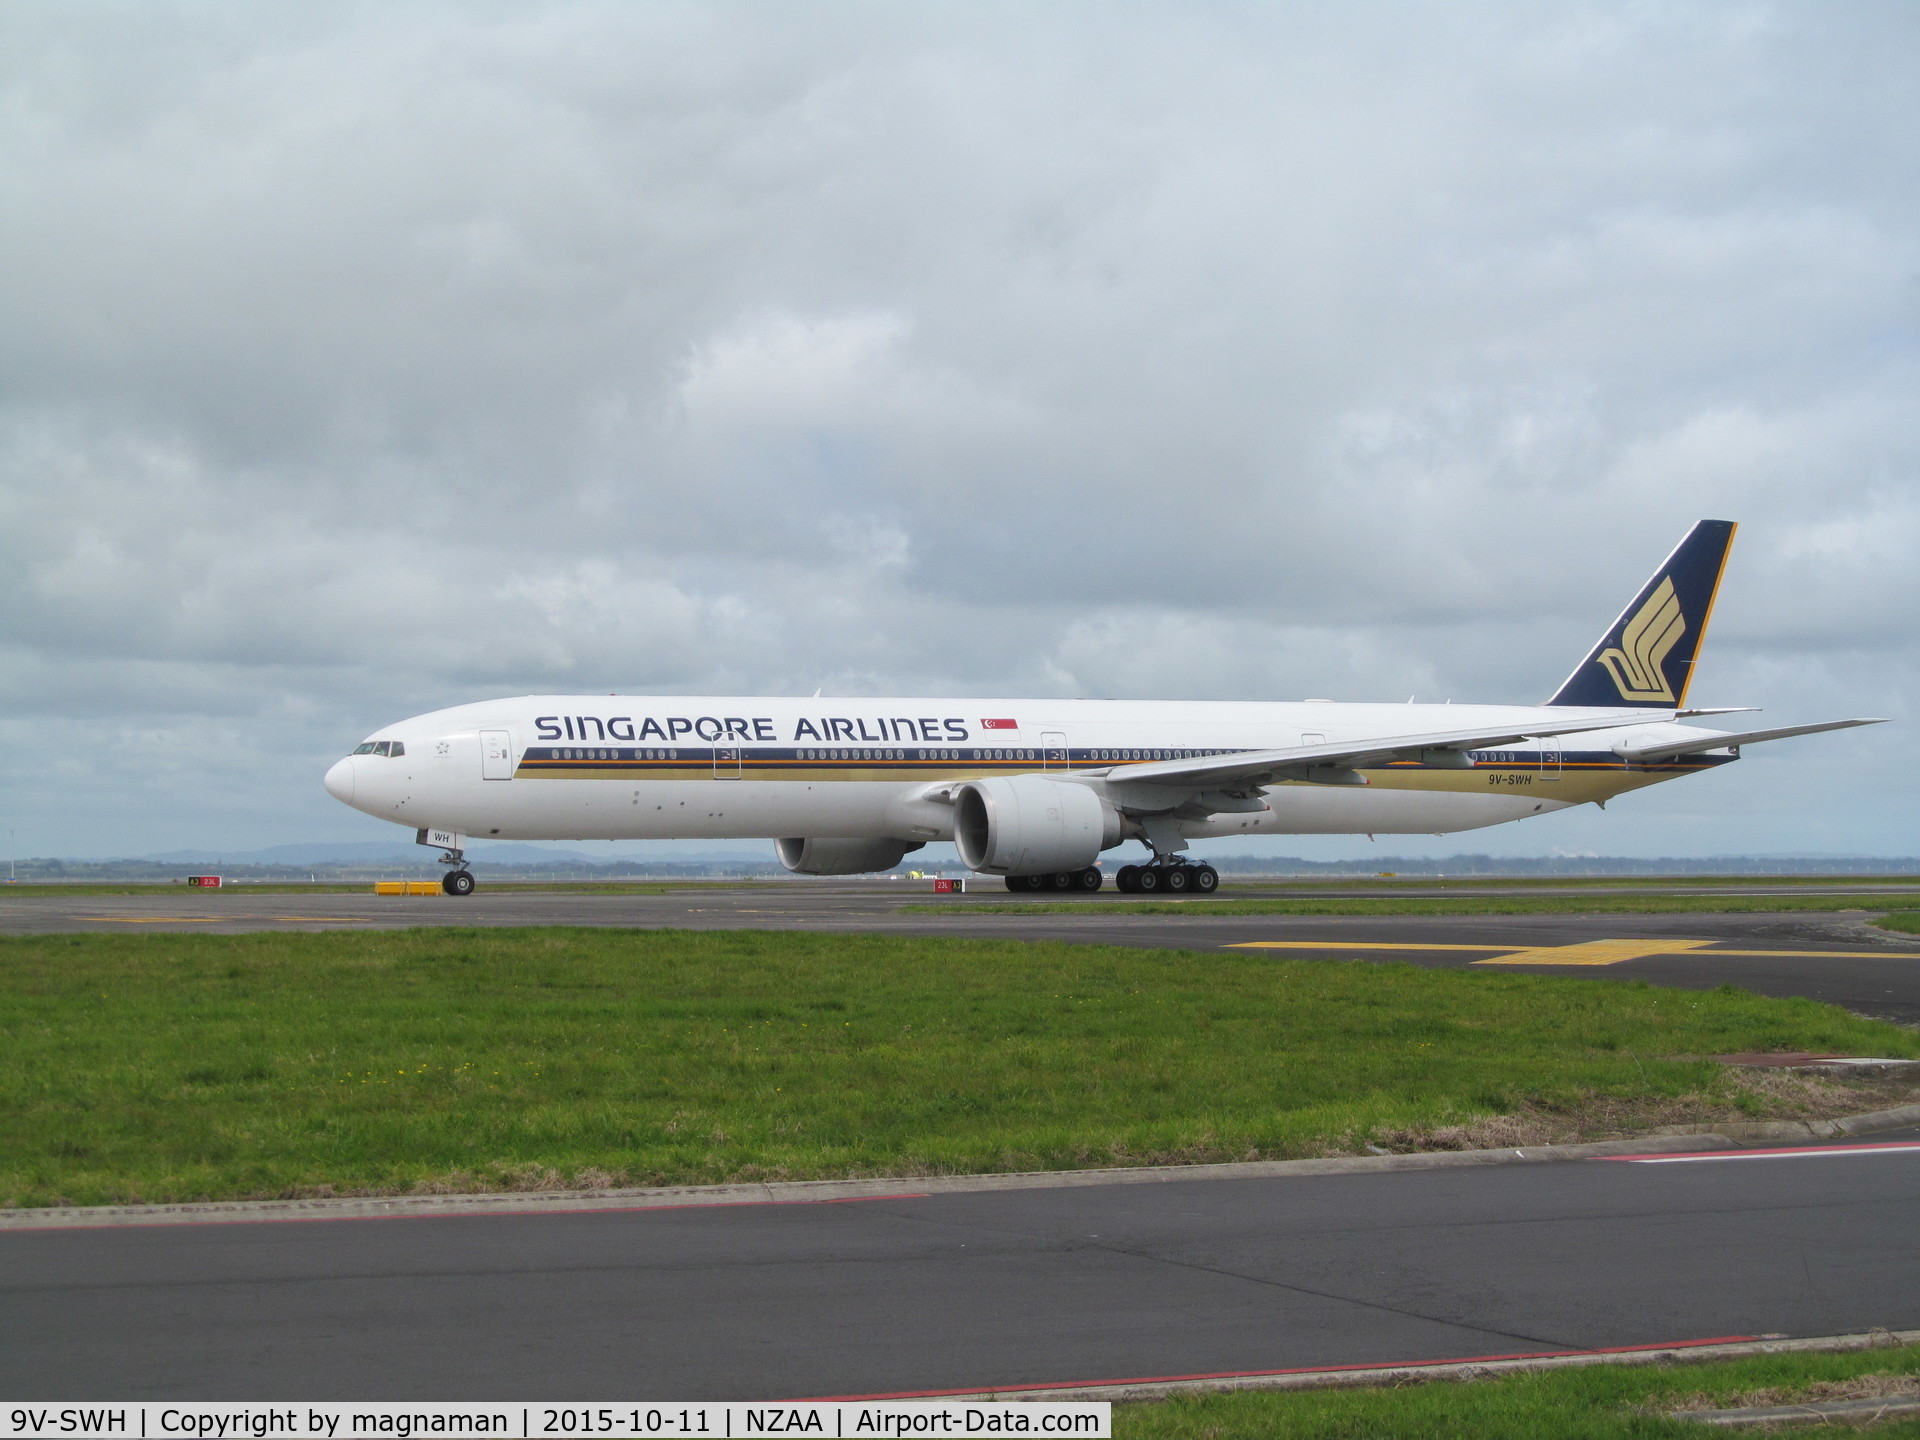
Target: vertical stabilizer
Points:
(1645, 660)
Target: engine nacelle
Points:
(1030, 825)
(843, 857)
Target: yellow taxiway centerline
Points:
(160, 919)
(223, 919)
(1586, 952)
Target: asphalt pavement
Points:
(971, 1291)
(1835, 957)
(974, 1291)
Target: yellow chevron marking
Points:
(1647, 639)
(1595, 952)
(1586, 952)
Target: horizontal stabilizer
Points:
(1750, 737)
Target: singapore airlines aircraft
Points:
(1035, 790)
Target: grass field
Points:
(1906, 921)
(167, 1067)
(1591, 1403)
(365, 887)
(1464, 904)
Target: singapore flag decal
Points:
(999, 724)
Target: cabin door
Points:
(496, 755)
(1549, 757)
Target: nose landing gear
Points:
(458, 880)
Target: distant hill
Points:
(370, 852)
(382, 859)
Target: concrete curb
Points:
(1362, 1377)
(805, 1192)
(814, 1192)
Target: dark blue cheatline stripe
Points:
(912, 759)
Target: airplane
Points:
(1035, 790)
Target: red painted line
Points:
(455, 1214)
(1296, 1370)
(1880, 1147)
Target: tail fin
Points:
(1645, 660)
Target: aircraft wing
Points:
(1749, 737)
(1259, 767)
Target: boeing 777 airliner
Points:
(1035, 790)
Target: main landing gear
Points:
(1173, 876)
(1089, 879)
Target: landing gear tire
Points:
(1146, 880)
(457, 882)
(1089, 879)
(1064, 880)
(1204, 880)
(1123, 879)
(1177, 878)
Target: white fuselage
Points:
(691, 767)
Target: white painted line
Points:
(1797, 1152)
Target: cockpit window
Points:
(366, 749)
(398, 750)
(380, 747)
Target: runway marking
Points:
(1585, 952)
(1293, 1370)
(1349, 945)
(160, 919)
(1596, 952)
(1885, 1147)
(226, 919)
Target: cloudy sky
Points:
(358, 359)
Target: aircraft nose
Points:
(339, 780)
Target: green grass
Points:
(365, 887)
(1590, 1403)
(1905, 921)
(167, 1067)
(1421, 905)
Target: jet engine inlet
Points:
(1030, 825)
(843, 857)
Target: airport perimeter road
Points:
(970, 1291)
(1834, 957)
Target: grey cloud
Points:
(362, 358)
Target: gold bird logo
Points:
(1644, 645)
